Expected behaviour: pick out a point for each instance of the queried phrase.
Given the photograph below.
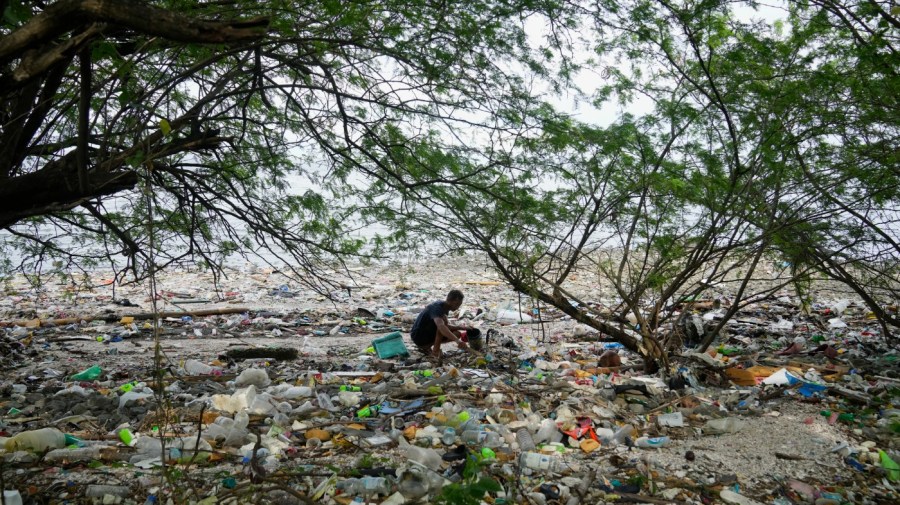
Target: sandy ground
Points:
(785, 439)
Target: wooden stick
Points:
(116, 317)
(667, 404)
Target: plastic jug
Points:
(12, 497)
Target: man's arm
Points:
(445, 330)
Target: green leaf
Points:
(16, 13)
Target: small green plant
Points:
(638, 480)
(463, 493)
(473, 487)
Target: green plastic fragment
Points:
(893, 469)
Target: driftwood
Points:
(276, 353)
(111, 318)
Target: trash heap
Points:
(333, 405)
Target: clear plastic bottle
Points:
(365, 486)
(426, 457)
(622, 435)
(416, 481)
(723, 425)
(605, 435)
(349, 398)
(448, 436)
(194, 367)
(525, 440)
(481, 437)
(537, 461)
(547, 429)
(325, 402)
(456, 418)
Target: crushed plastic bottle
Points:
(428, 458)
(194, 367)
(417, 481)
(547, 429)
(723, 425)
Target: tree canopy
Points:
(242, 127)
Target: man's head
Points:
(454, 299)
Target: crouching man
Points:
(432, 328)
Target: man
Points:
(432, 329)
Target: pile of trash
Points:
(334, 406)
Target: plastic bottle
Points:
(525, 440)
(94, 452)
(101, 490)
(426, 457)
(368, 411)
(724, 425)
(651, 442)
(537, 461)
(194, 367)
(354, 389)
(364, 486)
(88, 374)
(12, 497)
(604, 435)
(325, 402)
(448, 436)
(295, 392)
(481, 437)
(622, 434)
(127, 437)
(459, 420)
(37, 440)
(349, 398)
(546, 431)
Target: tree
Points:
(697, 193)
(399, 112)
(198, 121)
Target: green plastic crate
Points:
(390, 345)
